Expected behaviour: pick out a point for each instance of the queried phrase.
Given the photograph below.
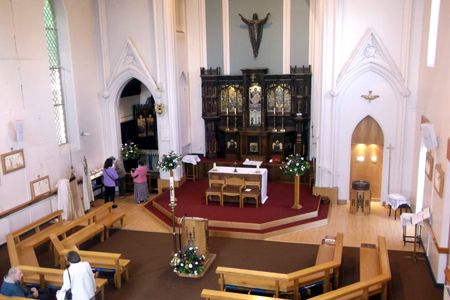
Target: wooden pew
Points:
(327, 266)
(108, 220)
(97, 260)
(220, 295)
(54, 277)
(372, 281)
(12, 251)
(35, 226)
(82, 235)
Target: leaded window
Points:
(55, 72)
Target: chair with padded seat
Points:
(252, 189)
(215, 189)
(233, 187)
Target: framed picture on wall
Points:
(429, 166)
(439, 180)
(12, 161)
(39, 187)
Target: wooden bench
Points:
(82, 235)
(375, 272)
(54, 278)
(12, 251)
(35, 226)
(108, 220)
(97, 260)
(328, 261)
(220, 295)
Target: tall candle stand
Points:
(173, 262)
(235, 122)
(274, 122)
(228, 122)
(282, 124)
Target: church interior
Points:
(237, 88)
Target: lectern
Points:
(195, 233)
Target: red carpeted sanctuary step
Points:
(274, 215)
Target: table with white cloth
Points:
(396, 201)
(191, 160)
(406, 221)
(249, 174)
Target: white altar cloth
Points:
(252, 163)
(191, 159)
(230, 170)
(395, 200)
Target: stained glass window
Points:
(55, 72)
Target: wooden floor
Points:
(356, 229)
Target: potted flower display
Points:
(295, 165)
(129, 151)
(189, 263)
(170, 162)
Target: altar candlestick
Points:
(282, 111)
(171, 190)
(274, 110)
(235, 111)
(227, 110)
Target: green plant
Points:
(170, 161)
(130, 151)
(190, 262)
(295, 165)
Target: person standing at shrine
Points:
(141, 193)
(120, 170)
(109, 177)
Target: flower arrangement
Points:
(190, 262)
(295, 165)
(130, 151)
(170, 161)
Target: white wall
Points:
(432, 103)
(26, 95)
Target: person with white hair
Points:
(11, 287)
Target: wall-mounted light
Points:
(159, 108)
(360, 158)
(82, 133)
(374, 159)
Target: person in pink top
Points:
(141, 193)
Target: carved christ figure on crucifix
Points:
(255, 29)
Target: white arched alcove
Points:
(130, 65)
(370, 69)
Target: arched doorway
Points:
(367, 149)
(138, 124)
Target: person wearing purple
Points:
(109, 177)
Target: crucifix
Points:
(370, 97)
(235, 164)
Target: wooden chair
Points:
(255, 192)
(233, 187)
(215, 189)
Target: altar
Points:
(249, 174)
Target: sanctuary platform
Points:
(272, 218)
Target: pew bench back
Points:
(54, 278)
(97, 260)
(35, 226)
(329, 257)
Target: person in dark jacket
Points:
(11, 287)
